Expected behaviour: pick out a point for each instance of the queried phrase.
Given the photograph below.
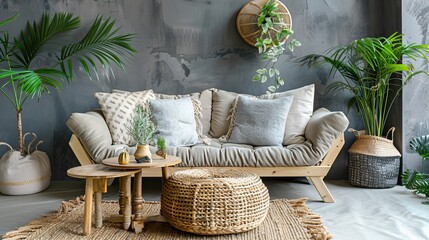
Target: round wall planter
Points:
(247, 20)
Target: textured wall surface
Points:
(186, 46)
(415, 15)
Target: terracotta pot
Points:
(143, 151)
(162, 153)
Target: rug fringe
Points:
(311, 221)
(25, 231)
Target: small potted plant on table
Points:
(162, 148)
(142, 130)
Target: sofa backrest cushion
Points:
(323, 127)
(260, 122)
(299, 114)
(118, 109)
(175, 121)
(92, 131)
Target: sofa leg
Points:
(321, 188)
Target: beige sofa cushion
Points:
(118, 109)
(324, 126)
(92, 131)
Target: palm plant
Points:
(371, 70)
(100, 46)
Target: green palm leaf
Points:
(34, 82)
(369, 67)
(39, 34)
(100, 44)
(8, 20)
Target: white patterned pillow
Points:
(118, 109)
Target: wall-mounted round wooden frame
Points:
(247, 20)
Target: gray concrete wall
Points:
(415, 15)
(187, 46)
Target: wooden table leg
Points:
(137, 223)
(126, 188)
(88, 206)
(164, 174)
(121, 197)
(98, 211)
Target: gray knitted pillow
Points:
(260, 122)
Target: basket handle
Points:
(5, 144)
(391, 130)
(357, 133)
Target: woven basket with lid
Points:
(213, 202)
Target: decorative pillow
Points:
(118, 109)
(300, 112)
(260, 122)
(175, 121)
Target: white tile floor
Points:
(358, 213)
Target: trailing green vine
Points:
(270, 43)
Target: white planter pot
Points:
(20, 175)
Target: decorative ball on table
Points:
(142, 130)
(162, 149)
(124, 157)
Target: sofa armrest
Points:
(324, 127)
(92, 131)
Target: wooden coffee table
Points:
(96, 176)
(137, 222)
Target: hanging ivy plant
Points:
(271, 42)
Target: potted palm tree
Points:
(374, 74)
(22, 77)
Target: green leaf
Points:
(267, 41)
(272, 72)
(264, 28)
(265, 57)
(272, 89)
(280, 80)
(8, 20)
(257, 77)
(277, 71)
(264, 78)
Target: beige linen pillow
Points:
(299, 114)
(118, 109)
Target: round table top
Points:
(98, 171)
(157, 162)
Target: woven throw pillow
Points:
(260, 122)
(118, 109)
(175, 121)
(300, 112)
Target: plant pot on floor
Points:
(21, 175)
(373, 161)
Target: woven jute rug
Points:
(286, 220)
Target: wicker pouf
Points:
(212, 202)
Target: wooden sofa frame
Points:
(314, 174)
